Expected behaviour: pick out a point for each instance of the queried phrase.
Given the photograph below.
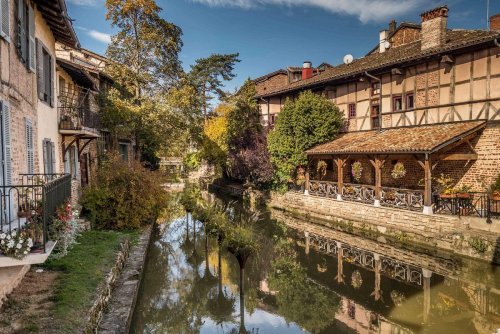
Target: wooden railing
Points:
(323, 188)
(402, 198)
(358, 193)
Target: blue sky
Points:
(273, 34)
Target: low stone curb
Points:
(117, 316)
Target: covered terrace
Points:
(424, 151)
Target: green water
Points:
(338, 283)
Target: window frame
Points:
(407, 97)
(349, 114)
(376, 90)
(394, 98)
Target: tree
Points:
(249, 159)
(302, 124)
(215, 142)
(208, 74)
(145, 51)
(144, 64)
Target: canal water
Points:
(306, 279)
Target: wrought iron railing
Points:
(470, 204)
(31, 205)
(358, 193)
(323, 188)
(78, 118)
(402, 198)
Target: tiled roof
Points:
(56, 15)
(456, 39)
(269, 75)
(420, 139)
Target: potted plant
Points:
(494, 189)
(357, 170)
(399, 171)
(445, 186)
(463, 192)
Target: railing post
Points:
(378, 164)
(307, 184)
(427, 166)
(340, 176)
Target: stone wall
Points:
(10, 277)
(449, 233)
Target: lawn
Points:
(80, 273)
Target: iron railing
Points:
(32, 205)
(78, 118)
(470, 204)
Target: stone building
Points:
(426, 97)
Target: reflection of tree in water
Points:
(298, 299)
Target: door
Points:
(84, 169)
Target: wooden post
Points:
(427, 294)
(378, 163)
(377, 290)
(428, 185)
(306, 189)
(340, 176)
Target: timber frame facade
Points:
(419, 82)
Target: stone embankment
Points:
(444, 232)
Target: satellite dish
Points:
(387, 45)
(348, 59)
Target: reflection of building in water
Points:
(441, 289)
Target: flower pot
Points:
(463, 195)
(495, 197)
(447, 196)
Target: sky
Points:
(274, 34)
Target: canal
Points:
(306, 279)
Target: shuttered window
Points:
(30, 154)
(49, 157)
(5, 19)
(45, 73)
(25, 33)
(6, 153)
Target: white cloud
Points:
(84, 2)
(97, 35)
(365, 10)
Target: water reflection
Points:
(309, 280)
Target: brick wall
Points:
(405, 36)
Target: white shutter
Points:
(5, 19)
(31, 32)
(7, 153)
(29, 147)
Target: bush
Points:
(123, 195)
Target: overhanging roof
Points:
(55, 14)
(77, 73)
(414, 140)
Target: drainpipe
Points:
(380, 99)
(496, 42)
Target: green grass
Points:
(81, 272)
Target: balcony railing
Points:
(469, 204)
(31, 205)
(358, 193)
(402, 198)
(78, 118)
(323, 188)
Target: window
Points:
(71, 162)
(45, 74)
(375, 88)
(5, 20)
(375, 114)
(49, 157)
(62, 86)
(410, 102)
(123, 148)
(25, 33)
(273, 117)
(30, 154)
(5, 148)
(397, 103)
(352, 110)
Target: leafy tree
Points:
(249, 159)
(208, 74)
(145, 50)
(302, 124)
(215, 142)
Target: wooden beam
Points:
(427, 181)
(458, 156)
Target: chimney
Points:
(307, 70)
(434, 22)
(382, 40)
(392, 27)
(495, 22)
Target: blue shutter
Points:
(31, 45)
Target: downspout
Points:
(380, 99)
